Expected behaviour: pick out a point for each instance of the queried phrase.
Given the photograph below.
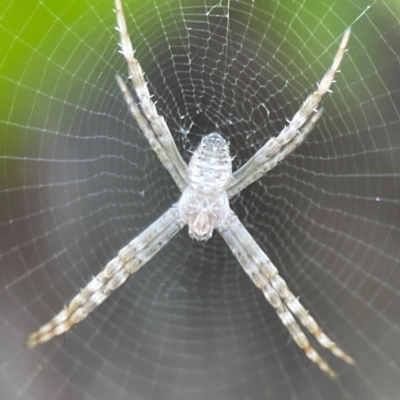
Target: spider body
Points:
(206, 186)
(204, 204)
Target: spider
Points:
(206, 184)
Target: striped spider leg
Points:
(206, 185)
(292, 135)
(145, 113)
(265, 276)
(128, 261)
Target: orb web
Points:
(78, 181)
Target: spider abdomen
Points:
(210, 168)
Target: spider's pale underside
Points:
(206, 185)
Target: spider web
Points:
(78, 181)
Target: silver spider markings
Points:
(206, 185)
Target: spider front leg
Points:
(283, 151)
(301, 124)
(128, 261)
(266, 277)
(145, 113)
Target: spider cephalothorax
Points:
(206, 185)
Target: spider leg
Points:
(266, 277)
(162, 152)
(150, 122)
(306, 319)
(301, 124)
(128, 261)
(285, 150)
